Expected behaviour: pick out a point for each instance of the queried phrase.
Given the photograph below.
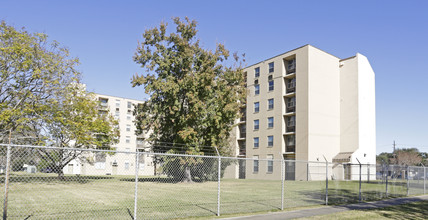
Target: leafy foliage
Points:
(403, 157)
(33, 72)
(195, 96)
(41, 98)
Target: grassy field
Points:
(416, 210)
(43, 196)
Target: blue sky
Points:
(392, 34)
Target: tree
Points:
(74, 122)
(195, 96)
(32, 73)
(407, 157)
(41, 97)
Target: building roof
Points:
(291, 51)
(343, 157)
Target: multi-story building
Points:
(307, 105)
(119, 163)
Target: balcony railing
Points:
(242, 151)
(291, 107)
(242, 135)
(290, 148)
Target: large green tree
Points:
(33, 71)
(41, 98)
(73, 121)
(195, 93)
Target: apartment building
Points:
(307, 105)
(119, 163)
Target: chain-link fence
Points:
(62, 183)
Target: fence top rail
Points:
(321, 163)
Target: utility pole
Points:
(393, 153)
(393, 146)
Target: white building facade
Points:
(122, 163)
(304, 105)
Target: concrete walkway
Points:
(332, 209)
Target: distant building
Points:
(307, 104)
(119, 163)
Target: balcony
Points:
(290, 148)
(291, 88)
(242, 149)
(291, 126)
(290, 66)
(291, 107)
(242, 135)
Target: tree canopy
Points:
(41, 97)
(195, 93)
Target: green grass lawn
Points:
(43, 196)
(415, 210)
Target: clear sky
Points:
(392, 34)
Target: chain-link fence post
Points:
(408, 179)
(359, 191)
(218, 181)
(137, 162)
(6, 181)
(386, 180)
(326, 180)
(425, 178)
(368, 172)
(282, 182)
(218, 187)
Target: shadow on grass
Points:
(415, 210)
(346, 196)
(160, 180)
(53, 179)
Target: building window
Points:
(256, 89)
(270, 141)
(256, 142)
(256, 124)
(116, 114)
(128, 139)
(128, 127)
(129, 104)
(271, 67)
(270, 163)
(256, 107)
(270, 122)
(256, 72)
(270, 104)
(129, 112)
(256, 164)
(271, 85)
(128, 117)
(117, 103)
(126, 165)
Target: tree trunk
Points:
(187, 178)
(60, 173)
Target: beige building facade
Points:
(307, 105)
(122, 163)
